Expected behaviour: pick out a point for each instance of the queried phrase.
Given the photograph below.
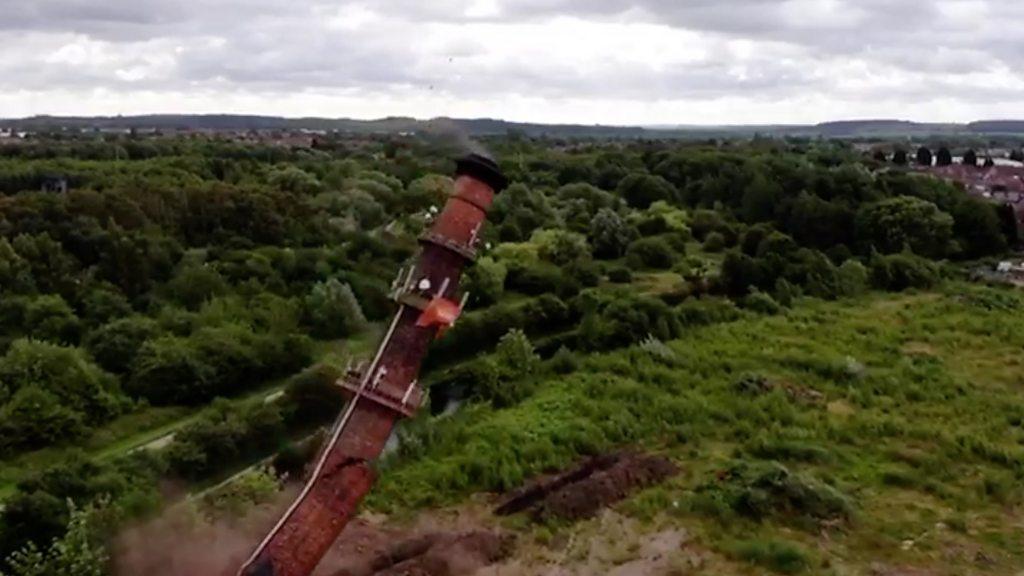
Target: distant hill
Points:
(489, 126)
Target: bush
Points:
(561, 247)
(333, 311)
(893, 223)
(485, 281)
(313, 397)
(620, 275)
(80, 551)
(714, 242)
(777, 556)
(224, 436)
(564, 361)
(898, 272)
(650, 253)
(640, 190)
(627, 320)
(194, 284)
(853, 278)
(53, 391)
(50, 318)
(761, 302)
(115, 345)
(761, 490)
(509, 376)
(478, 331)
(609, 234)
(706, 311)
(35, 418)
(541, 278)
(586, 273)
(169, 371)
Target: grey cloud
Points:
(286, 45)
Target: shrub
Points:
(714, 242)
(51, 318)
(650, 253)
(587, 273)
(706, 311)
(620, 275)
(775, 555)
(640, 190)
(853, 278)
(891, 224)
(224, 436)
(194, 284)
(610, 234)
(115, 345)
(56, 385)
(169, 370)
(508, 377)
(541, 278)
(485, 281)
(80, 551)
(760, 302)
(760, 490)
(333, 311)
(35, 418)
(561, 247)
(898, 272)
(564, 361)
(313, 397)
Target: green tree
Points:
(977, 227)
(169, 371)
(561, 247)
(51, 318)
(427, 191)
(651, 253)
(485, 281)
(714, 242)
(760, 199)
(333, 311)
(80, 551)
(971, 158)
(610, 234)
(115, 345)
(66, 373)
(35, 418)
(15, 271)
(640, 190)
(509, 376)
(924, 156)
(193, 285)
(892, 224)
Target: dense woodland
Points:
(180, 281)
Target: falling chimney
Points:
(386, 389)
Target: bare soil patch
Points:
(582, 491)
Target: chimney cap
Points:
(483, 169)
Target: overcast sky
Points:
(581, 61)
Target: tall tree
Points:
(944, 157)
(971, 158)
(924, 156)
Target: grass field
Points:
(838, 438)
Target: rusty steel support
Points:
(385, 389)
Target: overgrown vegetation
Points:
(724, 304)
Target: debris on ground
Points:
(582, 491)
(368, 550)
